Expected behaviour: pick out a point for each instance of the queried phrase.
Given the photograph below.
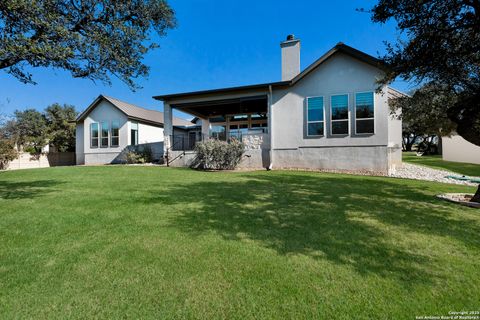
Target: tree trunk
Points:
(476, 197)
(440, 145)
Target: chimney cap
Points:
(290, 37)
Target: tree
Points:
(440, 46)
(7, 152)
(90, 39)
(30, 130)
(423, 115)
(61, 126)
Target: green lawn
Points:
(436, 162)
(161, 243)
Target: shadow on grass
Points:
(345, 220)
(26, 189)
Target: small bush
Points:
(146, 152)
(7, 153)
(218, 155)
(133, 157)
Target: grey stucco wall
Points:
(333, 158)
(104, 112)
(79, 147)
(85, 154)
(340, 74)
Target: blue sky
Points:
(218, 43)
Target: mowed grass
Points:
(161, 243)
(436, 162)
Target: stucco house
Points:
(108, 127)
(457, 149)
(328, 116)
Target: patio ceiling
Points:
(206, 109)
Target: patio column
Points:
(167, 127)
(205, 128)
(270, 125)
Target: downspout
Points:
(270, 125)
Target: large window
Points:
(94, 135)
(235, 126)
(104, 135)
(115, 133)
(315, 117)
(364, 113)
(134, 134)
(339, 114)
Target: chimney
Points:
(290, 58)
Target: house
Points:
(328, 116)
(457, 149)
(108, 127)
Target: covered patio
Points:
(243, 116)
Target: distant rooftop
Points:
(134, 112)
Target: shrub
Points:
(133, 157)
(218, 155)
(146, 152)
(7, 153)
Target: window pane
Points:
(365, 126)
(259, 116)
(315, 129)
(134, 137)
(115, 128)
(104, 134)
(340, 107)
(134, 126)
(340, 127)
(94, 130)
(94, 135)
(237, 117)
(315, 109)
(115, 132)
(364, 105)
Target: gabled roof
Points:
(340, 47)
(133, 112)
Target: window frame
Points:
(112, 136)
(101, 134)
(308, 121)
(137, 137)
(348, 115)
(356, 119)
(91, 135)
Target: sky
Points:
(217, 43)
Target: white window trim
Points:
(91, 135)
(101, 134)
(112, 136)
(355, 114)
(348, 115)
(308, 122)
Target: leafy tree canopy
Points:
(30, 129)
(423, 114)
(91, 39)
(442, 48)
(423, 111)
(61, 126)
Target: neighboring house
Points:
(329, 116)
(109, 126)
(457, 149)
